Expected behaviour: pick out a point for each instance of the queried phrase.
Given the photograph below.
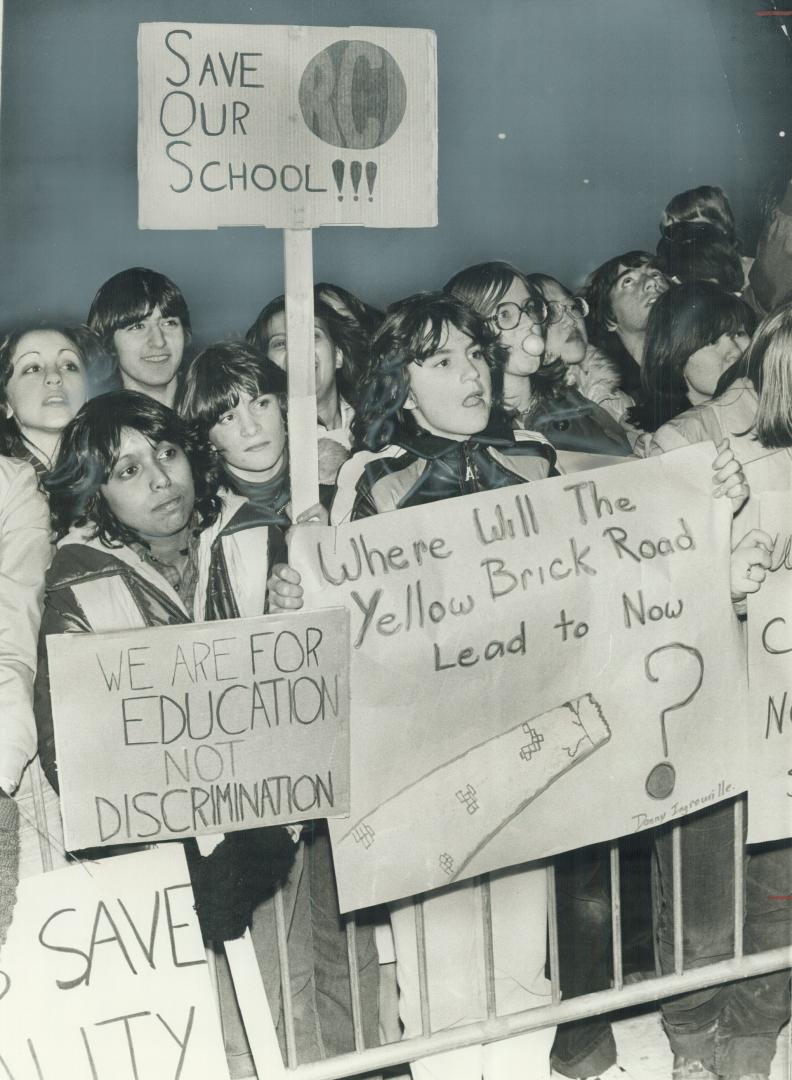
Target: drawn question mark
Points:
(661, 780)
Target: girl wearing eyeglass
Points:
(535, 392)
(587, 368)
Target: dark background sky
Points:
(640, 99)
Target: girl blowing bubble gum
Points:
(535, 389)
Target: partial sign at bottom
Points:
(104, 975)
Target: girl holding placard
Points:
(428, 431)
(145, 535)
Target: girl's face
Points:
(327, 357)
(451, 391)
(524, 342)
(150, 488)
(48, 383)
(566, 339)
(635, 291)
(706, 365)
(251, 437)
(150, 351)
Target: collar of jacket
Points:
(236, 512)
(424, 444)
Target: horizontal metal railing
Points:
(494, 1027)
(618, 997)
(604, 1001)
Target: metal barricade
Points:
(493, 1027)
(618, 997)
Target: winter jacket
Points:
(423, 468)
(25, 553)
(573, 422)
(731, 416)
(91, 588)
(597, 378)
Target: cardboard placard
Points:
(286, 126)
(104, 974)
(533, 669)
(770, 681)
(178, 731)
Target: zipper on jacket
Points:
(471, 472)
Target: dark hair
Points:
(483, 286)
(368, 317)
(699, 252)
(344, 335)
(411, 332)
(541, 280)
(89, 450)
(769, 363)
(707, 204)
(98, 370)
(684, 319)
(598, 296)
(131, 295)
(215, 377)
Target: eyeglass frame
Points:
(528, 308)
(577, 306)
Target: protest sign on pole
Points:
(288, 127)
(769, 719)
(104, 974)
(569, 670)
(179, 731)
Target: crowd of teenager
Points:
(144, 486)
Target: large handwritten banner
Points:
(770, 681)
(104, 975)
(286, 126)
(533, 668)
(182, 730)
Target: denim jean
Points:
(318, 965)
(584, 1048)
(733, 1027)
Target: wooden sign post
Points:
(303, 446)
(288, 127)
